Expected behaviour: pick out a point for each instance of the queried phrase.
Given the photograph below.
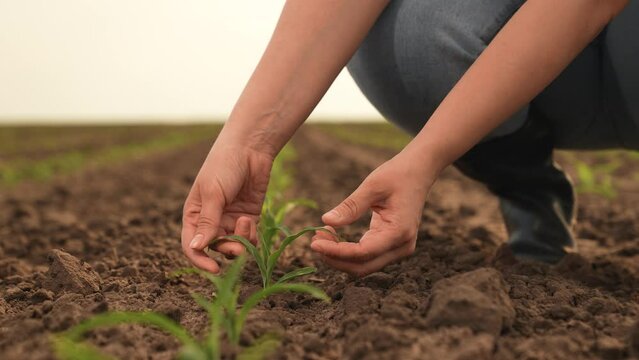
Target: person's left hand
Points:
(395, 192)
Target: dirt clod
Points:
(379, 279)
(68, 310)
(452, 343)
(357, 299)
(477, 299)
(68, 274)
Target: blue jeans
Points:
(419, 49)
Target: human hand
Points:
(395, 192)
(226, 198)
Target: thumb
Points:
(207, 224)
(351, 209)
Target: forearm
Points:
(311, 44)
(532, 49)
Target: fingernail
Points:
(334, 214)
(315, 246)
(196, 243)
(245, 226)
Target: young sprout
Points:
(273, 238)
(226, 316)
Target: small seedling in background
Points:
(226, 316)
(596, 179)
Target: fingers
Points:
(353, 207)
(376, 249)
(244, 227)
(372, 245)
(208, 223)
(325, 235)
(363, 269)
(197, 257)
(201, 260)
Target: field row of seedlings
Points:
(100, 248)
(40, 154)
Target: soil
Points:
(106, 239)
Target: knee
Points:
(418, 50)
(444, 38)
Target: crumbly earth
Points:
(108, 239)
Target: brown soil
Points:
(107, 239)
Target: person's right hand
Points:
(226, 198)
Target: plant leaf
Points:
(289, 205)
(241, 239)
(255, 253)
(192, 353)
(229, 282)
(272, 260)
(295, 274)
(67, 349)
(202, 301)
(124, 317)
(264, 346)
(228, 292)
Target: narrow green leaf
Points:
(263, 347)
(241, 239)
(295, 274)
(289, 205)
(193, 353)
(202, 301)
(255, 252)
(272, 260)
(67, 349)
(229, 282)
(124, 317)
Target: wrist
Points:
(261, 135)
(425, 162)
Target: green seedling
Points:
(226, 316)
(268, 252)
(596, 179)
(273, 236)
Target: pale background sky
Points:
(115, 60)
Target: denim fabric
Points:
(419, 49)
